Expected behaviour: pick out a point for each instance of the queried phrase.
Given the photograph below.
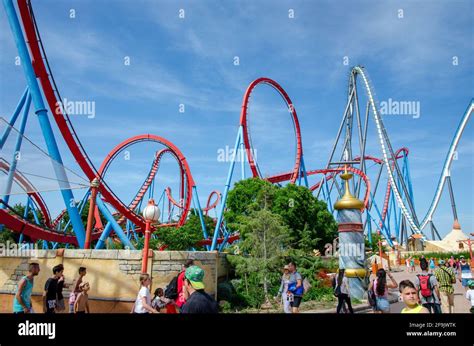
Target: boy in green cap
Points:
(199, 302)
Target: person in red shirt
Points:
(182, 293)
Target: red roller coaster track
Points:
(30, 190)
(246, 137)
(62, 120)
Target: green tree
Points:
(244, 198)
(310, 224)
(186, 236)
(264, 239)
(374, 247)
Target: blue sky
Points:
(190, 61)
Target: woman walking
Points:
(342, 292)
(380, 287)
(282, 292)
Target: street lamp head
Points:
(151, 213)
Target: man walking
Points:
(295, 288)
(446, 278)
(427, 286)
(50, 294)
(22, 300)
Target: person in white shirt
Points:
(470, 294)
(143, 302)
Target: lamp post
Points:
(90, 217)
(151, 213)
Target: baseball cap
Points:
(195, 275)
(441, 262)
(470, 284)
(461, 257)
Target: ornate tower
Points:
(351, 239)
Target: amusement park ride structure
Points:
(396, 213)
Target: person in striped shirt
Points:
(446, 278)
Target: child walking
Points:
(81, 305)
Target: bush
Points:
(319, 294)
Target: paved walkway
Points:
(461, 304)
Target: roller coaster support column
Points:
(113, 223)
(453, 203)
(12, 120)
(199, 211)
(42, 114)
(351, 240)
(302, 173)
(11, 171)
(151, 213)
(226, 190)
(90, 216)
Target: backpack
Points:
(171, 291)
(425, 287)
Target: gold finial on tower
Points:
(348, 201)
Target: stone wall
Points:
(112, 274)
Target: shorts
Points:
(296, 301)
(50, 306)
(60, 305)
(382, 304)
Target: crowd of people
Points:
(431, 291)
(184, 294)
(53, 298)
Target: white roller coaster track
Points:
(447, 164)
